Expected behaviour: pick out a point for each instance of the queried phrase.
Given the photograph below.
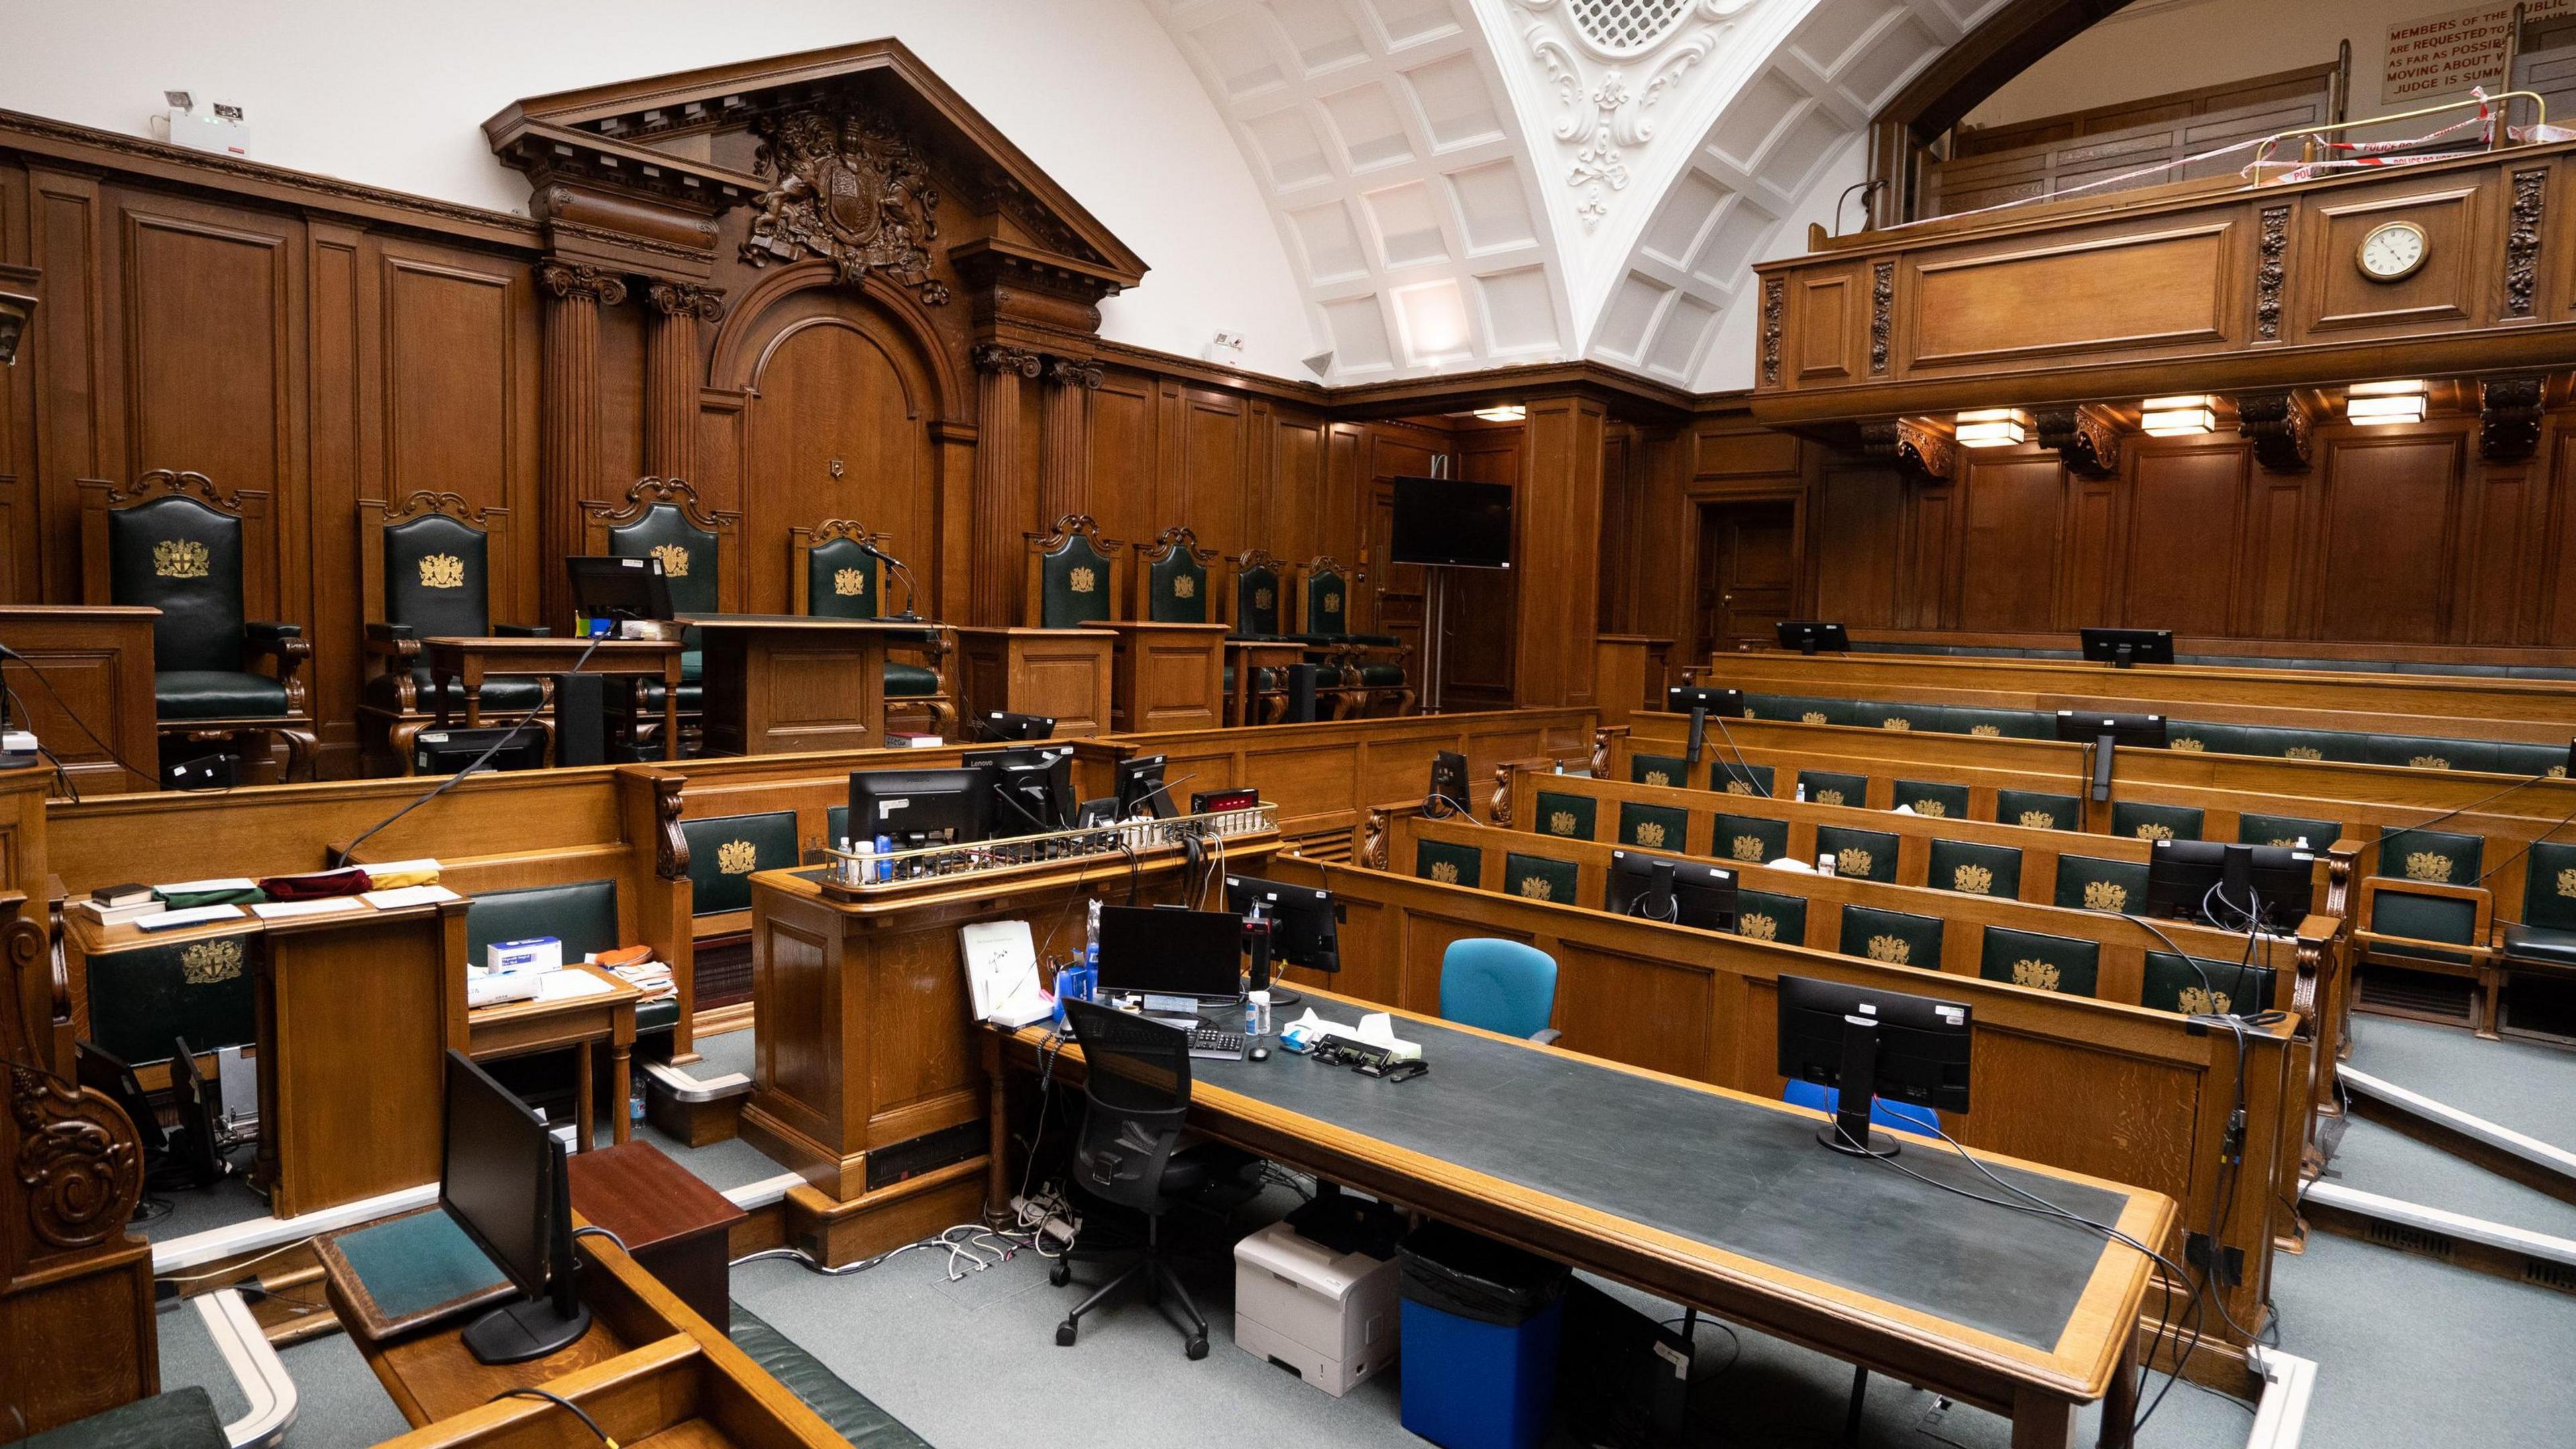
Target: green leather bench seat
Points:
(1655, 827)
(2546, 935)
(1830, 787)
(216, 694)
(909, 681)
(179, 1419)
(2199, 985)
(851, 1414)
(1932, 799)
(2540, 946)
(2038, 810)
(510, 692)
(582, 915)
(1382, 676)
(2233, 661)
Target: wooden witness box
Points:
(1064, 674)
(784, 683)
(867, 1077)
(1168, 676)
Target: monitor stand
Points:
(2102, 748)
(2123, 655)
(529, 1328)
(1807, 645)
(1849, 1132)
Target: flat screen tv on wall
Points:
(1452, 522)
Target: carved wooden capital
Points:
(670, 847)
(2280, 424)
(996, 357)
(2087, 438)
(681, 299)
(580, 281)
(1081, 372)
(2509, 418)
(1918, 444)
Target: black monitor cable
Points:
(2389, 835)
(558, 1400)
(1742, 763)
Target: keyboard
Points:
(1215, 1042)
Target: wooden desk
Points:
(1248, 657)
(1168, 676)
(2022, 1318)
(789, 683)
(519, 1028)
(678, 1228)
(468, 660)
(1064, 674)
(99, 664)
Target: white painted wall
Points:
(395, 96)
(1728, 367)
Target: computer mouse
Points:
(1260, 1054)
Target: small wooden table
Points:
(784, 683)
(1249, 657)
(467, 660)
(678, 1228)
(517, 1028)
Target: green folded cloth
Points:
(236, 891)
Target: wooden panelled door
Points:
(1748, 573)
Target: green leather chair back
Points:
(1933, 799)
(1912, 718)
(1176, 588)
(2038, 810)
(1660, 770)
(2041, 961)
(1827, 787)
(1973, 869)
(2139, 821)
(2286, 830)
(725, 849)
(2549, 891)
(2428, 752)
(2396, 911)
(1256, 601)
(583, 915)
(2203, 738)
(1730, 777)
(1449, 863)
(1572, 817)
(2201, 986)
(836, 823)
(1749, 839)
(1538, 878)
(1798, 708)
(688, 554)
(141, 999)
(1899, 938)
(1861, 854)
(2014, 724)
(1654, 827)
(1771, 916)
(185, 559)
(2088, 883)
(842, 581)
(1074, 579)
(1328, 602)
(2435, 855)
(438, 578)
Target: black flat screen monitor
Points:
(196, 1152)
(2124, 647)
(1866, 1042)
(1307, 923)
(106, 1073)
(2137, 731)
(952, 805)
(1449, 779)
(502, 1179)
(1665, 888)
(618, 588)
(1141, 789)
(1032, 791)
(1452, 523)
(2218, 883)
(1683, 698)
(1002, 725)
(1164, 951)
(1812, 636)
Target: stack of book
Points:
(112, 905)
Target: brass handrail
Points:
(2538, 101)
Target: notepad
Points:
(569, 985)
(284, 910)
(193, 916)
(402, 896)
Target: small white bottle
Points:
(1824, 863)
(1256, 1014)
(863, 869)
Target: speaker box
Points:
(581, 719)
(1301, 693)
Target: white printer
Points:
(1330, 1317)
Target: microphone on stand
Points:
(911, 591)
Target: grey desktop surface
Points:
(1735, 1175)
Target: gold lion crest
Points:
(2567, 883)
(2283, 842)
(1756, 926)
(2303, 752)
(1185, 587)
(1739, 787)
(2103, 895)
(736, 857)
(2153, 831)
(1933, 808)
(850, 583)
(2558, 772)
(1445, 871)
(1749, 848)
(1262, 598)
(2429, 762)
(2429, 865)
(1332, 603)
(675, 559)
(1990, 731)
(2190, 746)
(1657, 777)
(179, 558)
(209, 962)
(1851, 860)
(1650, 832)
(2039, 820)
(1536, 888)
(1896, 724)
(2201, 1001)
(1889, 949)
(1813, 716)
(1083, 581)
(442, 571)
(1561, 823)
(1829, 797)
(1976, 880)
(2036, 974)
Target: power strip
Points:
(1048, 1216)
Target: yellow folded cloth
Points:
(395, 874)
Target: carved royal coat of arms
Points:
(850, 189)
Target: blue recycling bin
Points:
(1481, 1325)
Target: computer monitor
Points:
(1449, 779)
(2220, 883)
(618, 588)
(1167, 951)
(1001, 725)
(2121, 648)
(1305, 928)
(913, 806)
(1141, 791)
(1871, 1043)
(1683, 698)
(2137, 731)
(195, 1150)
(1032, 791)
(503, 1180)
(1812, 636)
(1666, 888)
(106, 1073)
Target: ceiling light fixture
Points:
(1993, 427)
(2179, 416)
(1503, 413)
(2400, 401)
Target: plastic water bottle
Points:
(1256, 1014)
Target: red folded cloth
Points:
(314, 885)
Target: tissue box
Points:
(494, 987)
(536, 953)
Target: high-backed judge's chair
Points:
(663, 518)
(1371, 665)
(178, 543)
(1254, 600)
(833, 575)
(1073, 573)
(425, 572)
(1171, 578)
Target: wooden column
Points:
(671, 373)
(574, 294)
(1558, 519)
(1064, 459)
(1003, 495)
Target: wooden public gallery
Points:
(1502, 724)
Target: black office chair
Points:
(1137, 1082)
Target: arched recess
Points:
(829, 374)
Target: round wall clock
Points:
(2392, 252)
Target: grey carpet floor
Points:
(2521, 1085)
(2379, 1159)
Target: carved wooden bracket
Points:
(678, 492)
(1919, 445)
(79, 1163)
(2280, 425)
(163, 482)
(2509, 418)
(670, 847)
(452, 505)
(1500, 807)
(1601, 752)
(1373, 833)
(2087, 438)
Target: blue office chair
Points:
(1502, 986)
(1895, 1117)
